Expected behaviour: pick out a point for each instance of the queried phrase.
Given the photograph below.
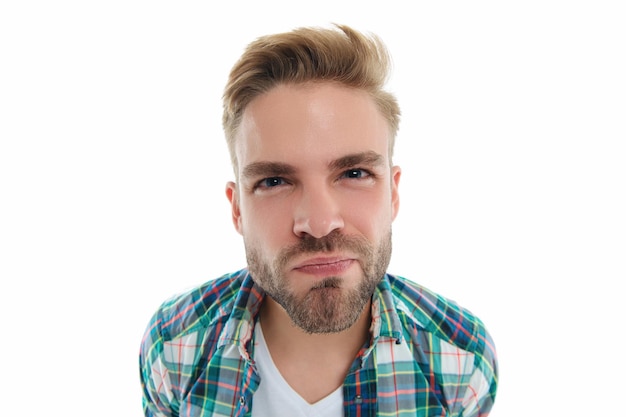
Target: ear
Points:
(396, 172)
(233, 197)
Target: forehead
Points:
(310, 122)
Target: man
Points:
(314, 326)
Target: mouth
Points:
(325, 266)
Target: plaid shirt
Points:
(427, 356)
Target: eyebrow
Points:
(267, 169)
(369, 158)
(275, 169)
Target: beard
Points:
(326, 307)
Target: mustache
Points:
(334, 241)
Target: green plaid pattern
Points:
(427, 355)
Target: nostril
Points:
(317, 228)
(317, 212)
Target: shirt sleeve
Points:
(157, 390)
(481, 391)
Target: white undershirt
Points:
(275, 397)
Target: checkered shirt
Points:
(427, 355)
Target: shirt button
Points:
(242, 401)
(358, 399)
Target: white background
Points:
(113, 166)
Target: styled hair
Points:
(305, 55)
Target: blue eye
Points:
(355, 173)
(271, 182)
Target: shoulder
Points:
(450, 343)
(199, 307)
(443, 318)
(183, 334)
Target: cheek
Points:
(370, 214)
(266, 225)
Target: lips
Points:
(325, 267)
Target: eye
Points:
(356, 173)
(270, 182)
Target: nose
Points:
(317, 212)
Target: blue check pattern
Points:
(427, 355)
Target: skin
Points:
(315, 201)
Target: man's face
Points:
(315, 200)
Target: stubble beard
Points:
(326, 307)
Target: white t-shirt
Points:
(275, 397)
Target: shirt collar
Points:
(239, 327)
(385, 319)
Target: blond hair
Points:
(309, 55)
